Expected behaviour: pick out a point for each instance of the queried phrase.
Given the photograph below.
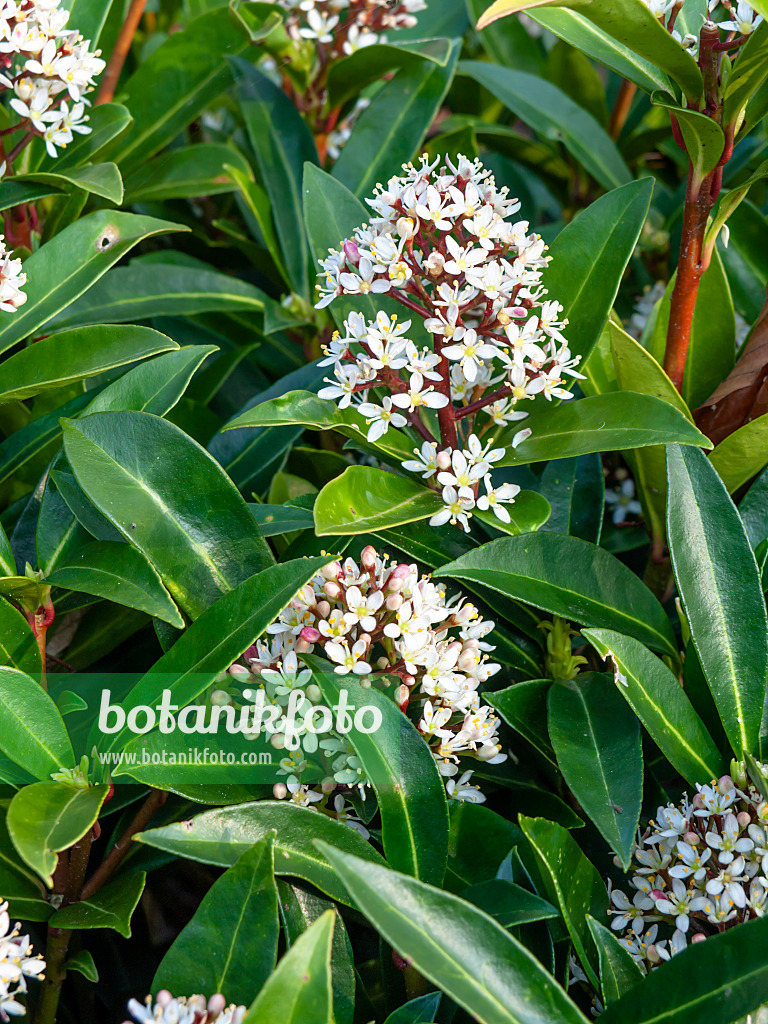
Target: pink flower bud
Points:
(409, 680)
(310, 634)
(402, 696)
(163, 997)
(698, 803)
(691, 838)
(279, 791)
(365, 637)
(331, 572)
(698, 937)
(333, 590)
(725, 784)
(657, 894)
(302, 646)
(444, 460)
(394, 585)
(239, 672)
(352, 252)
(382, 663)
(368, 557)
(328, 784)
(653, 954)
(743, 818)
(394, 601)
(217, 1004)
(323, 609)
(251, 654)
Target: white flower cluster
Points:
(701, 867)
(379, 620)
(48, 67)
(192, 1010)
(442, 244)
(345, 26)
(740, 22)
(16, 965)
(12, 280)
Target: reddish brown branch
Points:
(120, 53)
(115, 857)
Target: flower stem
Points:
(621, 107)
(120, 53)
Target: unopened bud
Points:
(743, 818)
(698, 803)
(691, 838)
(435, 264)
(302, 646)
(220, 698)
(216, 1004)
(328, 784)
(653, 954)
(406, 227)
(368, 557)
(331, 572)
(279, 791)
(394, 601)
(365, 682)
(352, 252)
(382, 663)
(657, 894)
(698, 937)
(402, 696)
(323, 609)
(310, 634)
(240, 673)
(314, 693)
(333, 590)
(443, 460)
(394, 585)
(725, 784)
(278, 741)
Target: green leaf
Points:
(62, 359)
(392, 129)
(596, 739)
(549, 112)
(87, 249)
(239, 958)
(276, 519)
(742, 454)
(178, 81)
(18, 646)
(568, 577)
(48, 817)
(7, 561)
(658, 700)
(575, 490)
(589, 258)
(364, 499)
(83, 963)
(300, 990)
(199, 170)
(572, 881)
(19, 885)
(217, 638)
(282, 144)
(408, 786)
(14, 193)
(719, 585)
(612, 422)
(157, 486)
(509, 904)
(221, 836)
(119, 573)
(456, 946)
(754, 510)
(101, 179)
(350, 75)
(88, 17)
(703, 137)
(420, 1010)
(749, 73)
(630, 23)
(523, 706)
(579, 31)
(110, 907)
(154, 386)
(148, 289)
(32, 732)
(619, 971)
(720, 981)
(528, 512)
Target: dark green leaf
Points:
(619, 971)
(509, 904)
(575, 490)
(110, 907)
(200, 170)
(364, 499)
(32, 732)
(523, 706)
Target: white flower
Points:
(16, 965)
(744, 22)
(494, 497)
(348, 659)
(728, 882)
(470, 351)
(623, 501)
(425, 461)
(457, 505)
(418, 395)
(460, 789)
(464, 473)
(189, 1010)
(363, 609)
(728, 841)
(680, 903)
(693, 862)
(380, 418)
(463, 258)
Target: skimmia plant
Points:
(383, 512)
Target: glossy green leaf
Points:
(84, 964)
(18, 646)
(300, 990)
(87, 249)
(282, 144)
(349, 76)
(659, 701)
(420, 1010)
(390, 132)
(719, 585)
(157, 486)
(569, 577)
(589, 258)
(154, 386)
(118, 573)
(572, 882)
(742, 454)
(509, 904)
(148, 289)
(575, 490)
(596, 739)
(456, 946)
(32, 732)
(200, 170)
(7, 561)
(619, 971)
(221, 836)
(110, 907)
(754, 510)
(528, 512)
(409, 788)
(19, 885)
(364, 499)
(217, 638)
(630, 23)
(579, 31)
(100, 179)
(89, 17)
(548, 111)
(276, 519)
(749, 73)
(13, 193)
(703, 137)
(179, 80)
(612, 422)
(719, 980)
(48, 817)
(107, 121)
(523, 706)
(62, 359)
(238, 958)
